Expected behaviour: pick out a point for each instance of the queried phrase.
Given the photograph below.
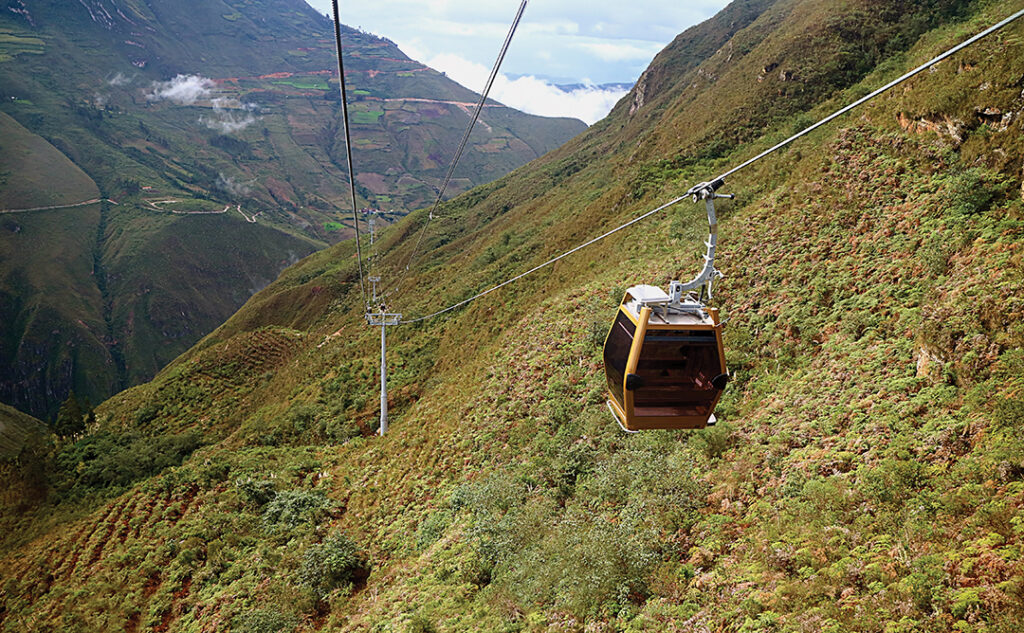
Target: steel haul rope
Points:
(348, 149)
(762, 155)
(462, 145)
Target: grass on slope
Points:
(53, 310)
(34, 173)
(168, 289)
(867, 474)
(16, 430)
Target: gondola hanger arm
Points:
(706, 191)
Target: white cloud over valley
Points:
(565, 42)
(531, 94)
(182, 90)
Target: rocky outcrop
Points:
(948, 127)
(639, 94)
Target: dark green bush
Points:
(334, 564)
(264, 621)
(1009, 414)
(420, 624)
(714, 440)
(432, 528)
(969, 194)
(291, 508)
(926, 583)
(892, 480)
(105, 459)
(147, 414)
(256, 492)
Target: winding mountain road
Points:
(59, 206)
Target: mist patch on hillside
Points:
(232, 186)
(182, 90)
(229, 116)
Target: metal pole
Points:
(383, 380)
(374, 280)
(383, 319)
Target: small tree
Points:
(70, 418)
(131, 186)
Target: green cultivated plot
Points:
(366, 117)
(13, 43)
(303, 84)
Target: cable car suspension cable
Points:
(348, 150)
(701, 189)
(462, 145)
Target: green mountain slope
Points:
(17, 430)
(867, 471)
(24, 441)
(213, 129)
(35, 173)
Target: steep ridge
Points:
(16, 431)
(866, 475)
(23, 442)
(220, 167)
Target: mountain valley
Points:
(178, 172)
(867, 469)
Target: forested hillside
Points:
(867, 471)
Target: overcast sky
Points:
(565, 41)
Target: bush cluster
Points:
(336, 563)
(105, 459)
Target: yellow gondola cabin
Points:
(665, 363)
(663, 356)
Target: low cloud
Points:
(535, 96)
(229, 116)
(182, 90)
(118, 80)
(228, 123)
(532, 95)
(233, 187)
